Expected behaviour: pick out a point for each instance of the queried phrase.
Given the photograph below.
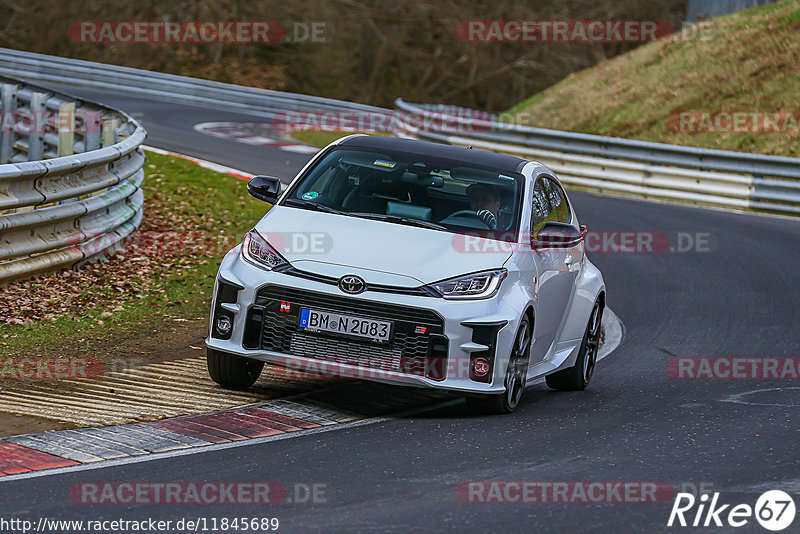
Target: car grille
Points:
(418, 346)
(331, 280)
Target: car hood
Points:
(380, 252)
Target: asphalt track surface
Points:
(741, 298)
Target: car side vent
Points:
(483, 335)
(222, 324)
(436, 362)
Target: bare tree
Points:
(374, 50)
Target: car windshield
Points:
(407, 188)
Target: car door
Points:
(557, 267)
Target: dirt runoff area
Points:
(129, 350)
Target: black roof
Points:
(476, 157)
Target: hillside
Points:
(368, 51)
(746, 62)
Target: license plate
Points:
(346, 325)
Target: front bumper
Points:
(458, 323)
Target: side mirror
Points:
(266, 188)
(558, 235)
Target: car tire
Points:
(233, 372)
(577, 377)
(516, 374)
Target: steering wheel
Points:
(467, 214)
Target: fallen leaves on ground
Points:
(169, 242)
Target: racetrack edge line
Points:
(612, 344)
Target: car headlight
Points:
(481, 285)
(257, 251)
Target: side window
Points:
(541, 206)
(558, 201)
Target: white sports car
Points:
(412, 263)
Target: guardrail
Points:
(605, 164)
(259, 102)
(626, 167)
(70, 177)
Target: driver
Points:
(486, 202)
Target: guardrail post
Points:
(8, 105)
(36, 135)
(66, 129)
(109, 132)
(49, 204)
(92, 125)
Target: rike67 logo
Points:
(774, 510)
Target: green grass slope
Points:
(744, 62)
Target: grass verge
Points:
(747, 61)
(161, 284)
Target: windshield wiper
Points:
(377, 216)
(311, 205)
(400, 220)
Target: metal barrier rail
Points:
(623, 166)
(259, 102)
(65, 229)
(70, 189)
(618, 166)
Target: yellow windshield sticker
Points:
(384, 163)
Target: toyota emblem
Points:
(352, 284)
